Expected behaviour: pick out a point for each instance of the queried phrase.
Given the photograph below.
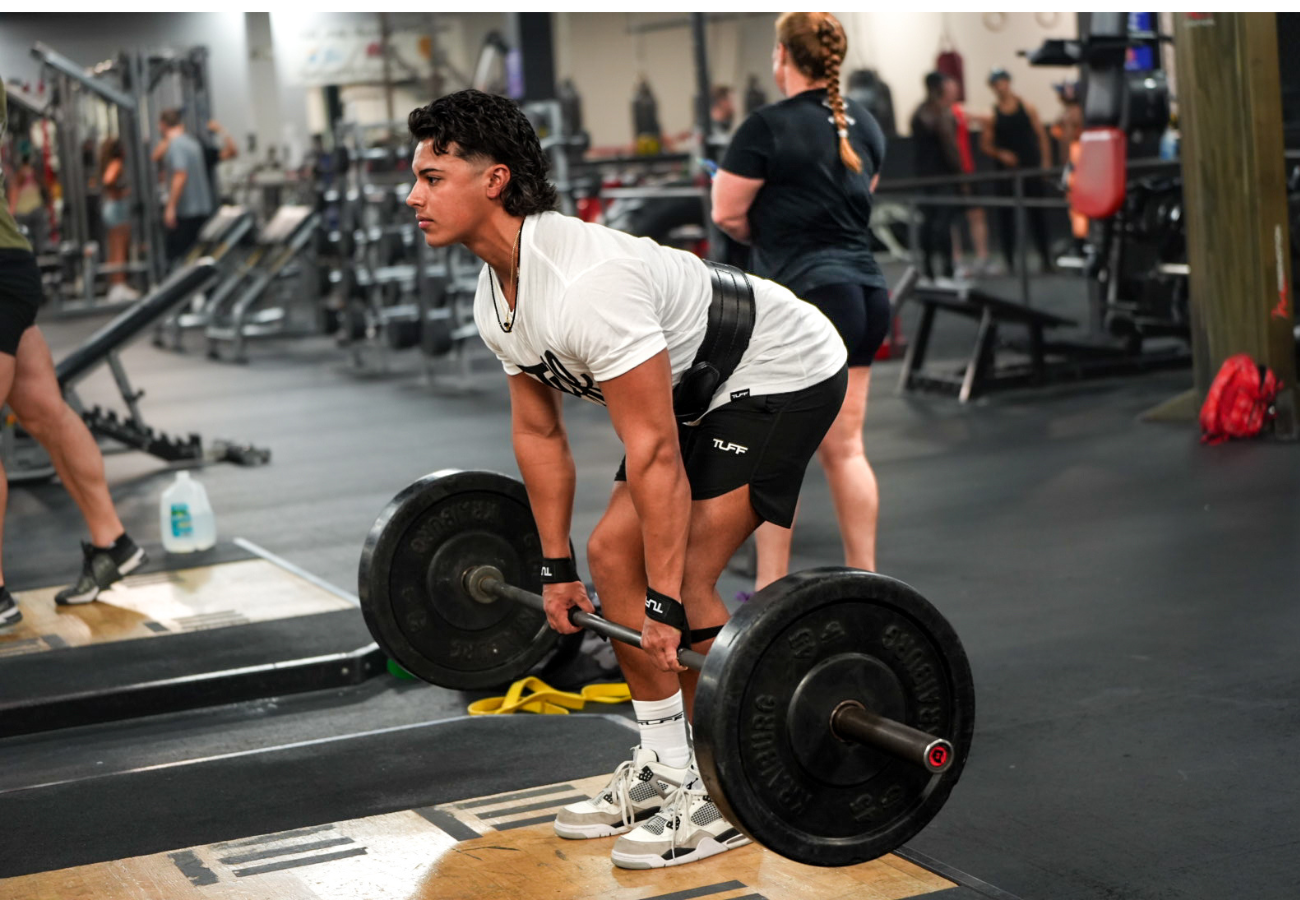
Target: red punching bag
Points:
(949, 61)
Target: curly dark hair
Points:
(486, 126)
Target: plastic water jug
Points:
(186, 516)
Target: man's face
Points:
(1001, 87)
(451, 195)
(949, 92)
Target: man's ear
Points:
(497, 177)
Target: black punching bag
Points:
(645, 121)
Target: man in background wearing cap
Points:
(1017, 140)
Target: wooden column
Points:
(1234, 189)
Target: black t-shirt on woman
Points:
(809, 222)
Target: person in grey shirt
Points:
(190, 202)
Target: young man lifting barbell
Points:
(720, 386)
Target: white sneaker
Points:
(688, 828)
(122, 293)
(634, 793)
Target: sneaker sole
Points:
(13, 617)
(136, 561)
(600, 829)
(77, 600)
(706, 848)
(587, 832)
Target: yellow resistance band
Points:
(546, 700)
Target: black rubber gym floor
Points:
(1127, 598)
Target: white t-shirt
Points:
(594, 303)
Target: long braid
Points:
(833, 47)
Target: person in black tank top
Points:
(1017, 140)
(796, 184)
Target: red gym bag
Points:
(1240, 401)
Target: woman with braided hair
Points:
(796, 185)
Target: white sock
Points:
(663, 729)
(692, 781)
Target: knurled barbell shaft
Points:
(850, 721)
(488, 580)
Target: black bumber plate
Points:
(786, 659)
(410, 580)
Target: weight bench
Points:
(980, 374)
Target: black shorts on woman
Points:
(860, 313)
(20, 296)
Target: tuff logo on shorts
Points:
(726, 447)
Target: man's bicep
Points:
(640, 403)
(534, 408)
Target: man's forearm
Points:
(662, 496)
(547, 467)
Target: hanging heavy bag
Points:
(950, 63)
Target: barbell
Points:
(833, 713)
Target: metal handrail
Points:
(894, 185)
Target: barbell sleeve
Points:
(850, 721)
(854, 722)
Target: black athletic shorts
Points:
(20, 296)
(765, 442)
(859, 313)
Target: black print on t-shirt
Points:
(552, 372)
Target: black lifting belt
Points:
(730, 325)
